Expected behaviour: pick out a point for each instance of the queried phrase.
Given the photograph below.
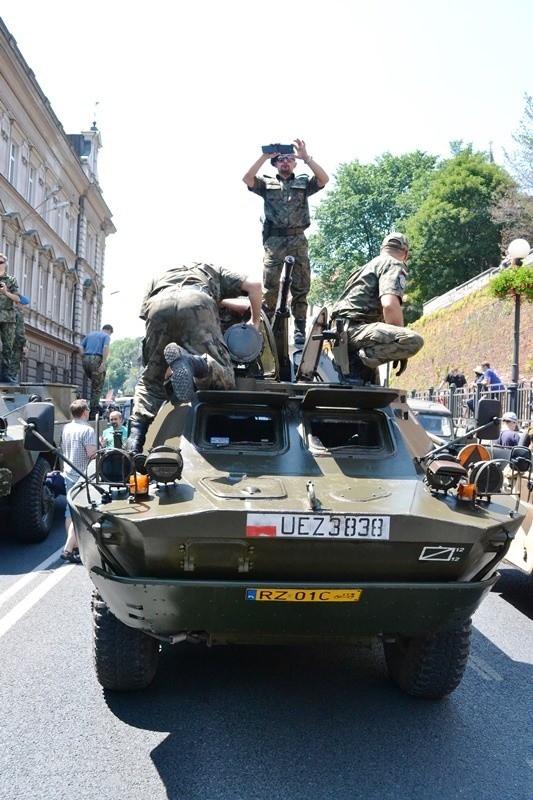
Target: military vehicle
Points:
(292, 510)
(26, 502)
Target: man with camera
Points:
(286, 216)
(9, 296)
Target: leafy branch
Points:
(513, 281)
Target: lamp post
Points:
(52, 193)
(517, 250)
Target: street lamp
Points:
(517, 250)
(52, 193)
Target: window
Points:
(240, 429)
(32, 177)
(12, 170)
(365, 431)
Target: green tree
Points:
(123, 365)
(521, 160)
(367, 202)
(452, 235)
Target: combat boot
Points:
(360, 374)
(185, 367)
(137, 437)
(299, 332)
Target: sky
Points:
(185, 94)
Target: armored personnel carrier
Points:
(26, 502)
(293, 509)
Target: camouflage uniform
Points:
(94, 346)
(19, 343)
(182, 306)
(7, 324)
(91, 364)
(286, 218)
(360, 304)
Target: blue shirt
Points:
(94, 343)
(495, 382)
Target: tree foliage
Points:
(367, 202)
(452, 235)
(521, 160)
(123, 366)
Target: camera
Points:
(282, 149)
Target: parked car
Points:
(435, 418)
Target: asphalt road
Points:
(250, 723)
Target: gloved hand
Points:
(402, 364)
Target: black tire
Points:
(32, 505)
(124, 658)
(429, 666)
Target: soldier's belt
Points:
(285, 231)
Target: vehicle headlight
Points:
(164, 464)
(113, 466)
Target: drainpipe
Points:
(74, 360)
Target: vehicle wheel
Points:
(32, 505)
(429, 666)
(124, 658)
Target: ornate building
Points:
(53, 221)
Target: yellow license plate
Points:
(304, 595)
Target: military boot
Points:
(185, 367)
(299, 332)
(137, 437)
(360, 374)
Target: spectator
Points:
(286, 210)
(479, 373)
(491, 381)
(20, 349)
(454, 378)
(9, 295)
(371, 302)
(509, 435)
(78, 443)
(181, 309)
(107, 438)
(95, 351)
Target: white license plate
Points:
(367, 527)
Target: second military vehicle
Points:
(26, 502)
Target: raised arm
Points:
(301, 152)
(249, 177)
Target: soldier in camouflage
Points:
(286, 212)
(183, 331)
(20, 349)
(372, 305)
(9, 295)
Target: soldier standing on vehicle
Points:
(95, 351)
(9, 295)
(20, 349)
(371, 302)
(183, 331)
(286, 210)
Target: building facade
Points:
(53, 222)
